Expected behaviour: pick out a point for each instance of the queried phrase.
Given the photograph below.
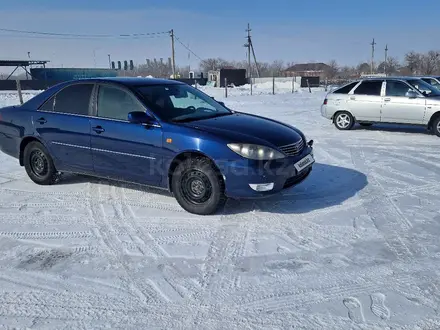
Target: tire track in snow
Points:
(384, 213)
(139, 236)
(48, 235)
(78, 198)
(115, 247)
(338, 284)
(184, 286)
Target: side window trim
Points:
(351, 92)
(68, 113)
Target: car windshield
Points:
(180, 103)
(423, 87)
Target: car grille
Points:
(293, 149)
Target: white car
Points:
(399, 100)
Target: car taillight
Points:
(325, 101)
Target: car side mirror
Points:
(411, 94)
(139, 117)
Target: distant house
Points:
(307, 70)
(236, 77)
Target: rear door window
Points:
(73, 99)
(372, 88)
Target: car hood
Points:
(246, 128)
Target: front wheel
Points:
(39, 164)
(436, 126)
(198, 187)
(344, 121)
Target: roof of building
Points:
(308, 67)
(21, 62)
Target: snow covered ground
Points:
(356, 246)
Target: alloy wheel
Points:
(343, 120)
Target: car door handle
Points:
(98, 129)
(387, 99)
(352, 98)
(41, 120)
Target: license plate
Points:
(303, 163)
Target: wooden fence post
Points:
(20, 95)
(273, 84)
(226, 87)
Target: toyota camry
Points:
(154, 132)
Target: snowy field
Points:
(355, 246)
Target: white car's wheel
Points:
(436, 126)
(344, 120)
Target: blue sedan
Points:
(154, 132)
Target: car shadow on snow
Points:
(70, 178)
(395, 128)
(326, 186)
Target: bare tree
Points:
(212, 64)
(413, 62)
(429, 62)
(333, 69)
(391, 67)
(347, 72)
(277, 67)
(363, 68)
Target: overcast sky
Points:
(289, 30)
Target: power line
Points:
(76, 38)
(187, 48)
(74, 35)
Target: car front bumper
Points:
(254, 179)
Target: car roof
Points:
(131, 81)
(389, 78)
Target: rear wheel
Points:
(344, 121)
(436, 126)
(198, 187)
(39, 164)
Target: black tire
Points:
(198, 187)
(343, 121)
(366, 124)
(436, 126)
(39, 164)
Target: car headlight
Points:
(254, 151)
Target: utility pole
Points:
(109, 61)
(173, 58)
(248, 46)
(372, 56)
(386, 59)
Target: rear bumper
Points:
(324, 111)
(241, 175)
